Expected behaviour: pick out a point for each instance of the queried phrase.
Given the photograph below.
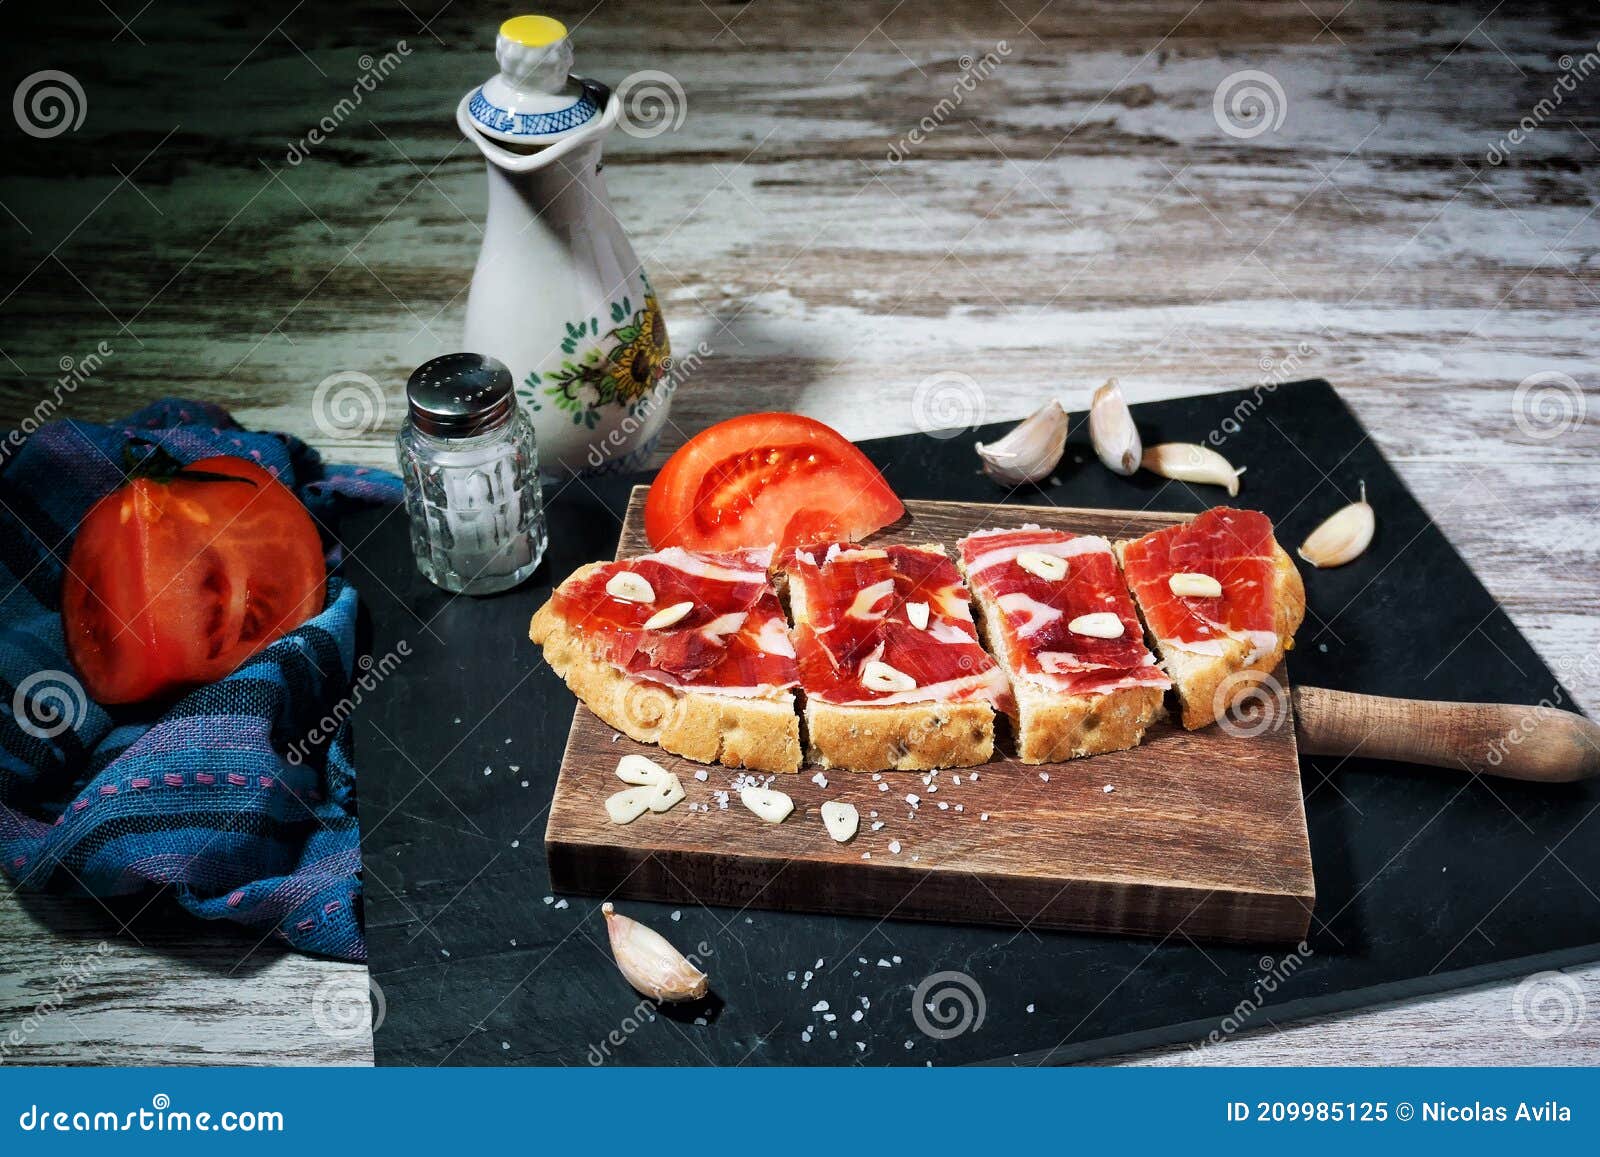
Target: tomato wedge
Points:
(175, 581)
(767, 478)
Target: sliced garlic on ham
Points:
(630, 587)
(877, 675)
(1049, 567)
(1188, 585)
(1099, 625)
(869, 597)
(917, 615)
(667, 616)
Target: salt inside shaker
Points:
(471, 474)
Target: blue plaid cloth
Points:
(202, 796)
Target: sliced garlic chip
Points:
(1111, 429)
(1188, 462)
(667, 616)
(628, 805)
(639, 771)
(841, 820)
(1030, 450)
(917, 615)
(1049, 567)
(772, 806)
(666, 795)
(649, 962)
(1343, 535)
(1100, 625)
(1189, 585)
(630, 587)
(877, 675)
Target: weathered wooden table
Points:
(1089, 201)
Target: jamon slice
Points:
(713, 682)
(1056, 613)
(890, 663)
(1215, 646)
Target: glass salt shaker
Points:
(471, 474)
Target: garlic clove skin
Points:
(639, 771)
(629, 804)
(649, 962)
(841, 820)
(772, 806)
(1343, 535)
(1188, 462)
(1030, 449)
(1111, 429)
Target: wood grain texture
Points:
(1203, 833)
(1080, 215)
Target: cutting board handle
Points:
(1542, 744)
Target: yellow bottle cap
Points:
(533, 31)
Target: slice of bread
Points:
(759, 733)
(1207, 686)
(902, 736)
(1050, 725)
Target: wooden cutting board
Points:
(1199, 833)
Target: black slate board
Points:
(1426, 879)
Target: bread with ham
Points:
(1222, 601)
(1057, 615)
(682, 649)
(891, 669)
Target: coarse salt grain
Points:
(894, 846)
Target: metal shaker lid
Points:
(459, 395)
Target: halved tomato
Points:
(175, 580)
(766, 478)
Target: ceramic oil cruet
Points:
(558, 294)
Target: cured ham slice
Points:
(1036, 613)
(1217, 642)
(734, 638)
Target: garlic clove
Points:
(649, 962)
(630, 587)
(1030, 449)
(1343, 535)
(1188, 462)
(1189, 585)
(1050, 567)
(629, 804)
(668, 616)
(666, 795)
(1111, 429)
(917, 615)
(639, 771)
(1100, 625)
(841, 820)
(877, 675)
(772, 806)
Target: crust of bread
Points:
(1050, 726)
(1207, 686)
(762, 734)
(899, 736)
